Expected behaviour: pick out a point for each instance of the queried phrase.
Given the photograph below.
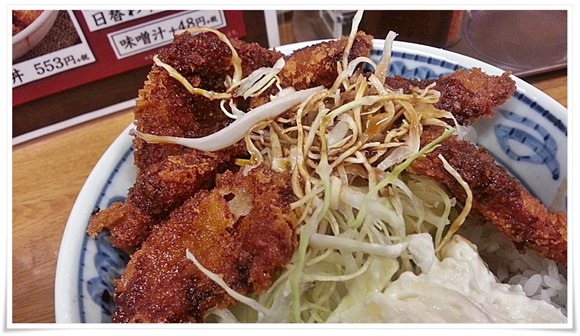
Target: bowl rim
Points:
(45, 16)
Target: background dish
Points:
(535, 43)
(528, 135)
(30, 36)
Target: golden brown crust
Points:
(165, 107)
(158, 189)
(243, 229)
(498, 196)
(169, 174)
(468, 94)
(126, 223)
(316, 65)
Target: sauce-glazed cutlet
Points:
(471, 95)
(497, 196)
(166, 174)
(158, 189)
(468, 94)
(169, 174)
(316, 64)
(243, 230)
(165, 107)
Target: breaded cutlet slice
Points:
(469, 94)
(497, 196)
(165, 107)
(317, 64)
(243, 230)
(158, 190)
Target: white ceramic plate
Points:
(528, 135)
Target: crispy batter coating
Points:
(316, 65)
(498, 196)
(242, 229)
(471, 95)
(169, 174)
(158, 190)
(468, 94)
(165, 107)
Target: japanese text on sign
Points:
(154, 34)
(51, 64)
(97, 20)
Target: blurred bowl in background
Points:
(518, 38)
(30, 36)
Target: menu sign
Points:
(92, 59)
(108, 43)
(101, 19)
(52, 63)
(153, 34)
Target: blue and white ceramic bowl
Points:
(528, 136)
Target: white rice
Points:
(539, 278)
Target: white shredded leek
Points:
(258, 80)
(383, 67)
(353, 30)
(218, 279)
(238, 129)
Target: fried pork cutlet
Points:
(316, 65)
(471, 95)
(165, 107)
(243, 229)
(168, 174)
(165, 179)
(159, 188)
(498, 196)
(468, 94)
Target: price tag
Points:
(52, 63)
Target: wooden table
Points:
(49, 172)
